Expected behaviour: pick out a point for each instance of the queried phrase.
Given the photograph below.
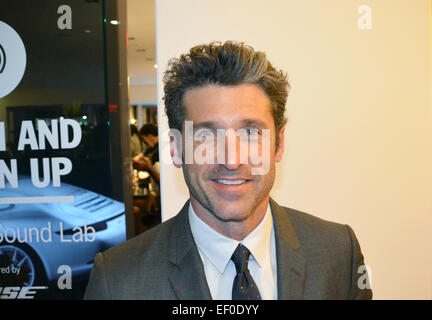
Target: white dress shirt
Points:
(216, 250)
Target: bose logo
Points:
(13, 59)
(2, 59)
(19, 292)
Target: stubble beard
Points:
(217, 208)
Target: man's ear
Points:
(280, 146)
(176, 147)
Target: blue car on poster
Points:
(39, 237)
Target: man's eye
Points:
(252, 132)
(204, 133)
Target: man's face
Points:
(229, 188)
(150, 140)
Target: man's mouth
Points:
(231, 182)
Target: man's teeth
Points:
(231, 182)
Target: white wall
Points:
(142, 94)
(359, 137)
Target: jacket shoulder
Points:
(318, 237)
(135, 269)
(156, 238)
(306, 225)
(334, 256)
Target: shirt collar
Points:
(219, 249)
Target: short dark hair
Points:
(133, 129)
(227, 64)
(149, 129)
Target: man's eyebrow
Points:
(206, 124)
(256, 123)
(253, 123)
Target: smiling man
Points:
(231, 240)
(226, 195)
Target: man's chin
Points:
(230, 213)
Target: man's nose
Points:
(234, 155)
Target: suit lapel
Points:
(187, 276)
(290, 263)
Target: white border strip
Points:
(37, 199)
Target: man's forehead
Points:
(245, 102)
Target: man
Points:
(149, 133)
(231, 240)
(137, 144)
(149, 159)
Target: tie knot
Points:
(240, 258)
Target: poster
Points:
(57, 207)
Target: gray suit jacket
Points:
(316, 259)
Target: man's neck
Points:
(237, 230)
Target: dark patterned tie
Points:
(244, 287)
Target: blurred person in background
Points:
(137, 143)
